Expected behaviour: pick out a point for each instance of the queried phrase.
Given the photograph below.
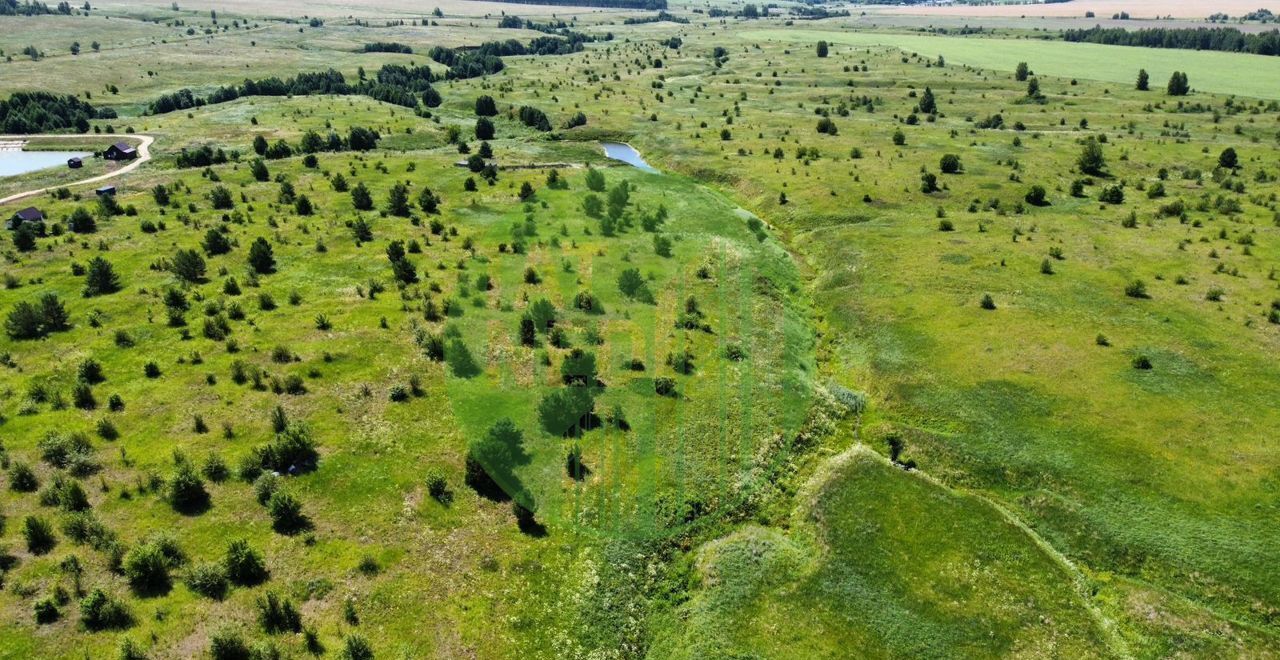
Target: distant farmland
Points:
(1102, 8)
(1224, 73)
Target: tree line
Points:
(393, 83)
(656, 18)
(41, 112)
(31, 8)
(487, 57)
(617, 4)
(388, 47)
(558, 28)
(1219, 38)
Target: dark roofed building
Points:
(106, 190)
(30, 214)
(120, 151)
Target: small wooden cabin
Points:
(120, 151)
(30, 214)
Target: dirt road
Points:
(144, 155)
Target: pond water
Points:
(626, 154)
(21, 162)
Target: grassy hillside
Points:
(874, 362)
(891, 565)
(336, 356)
(1038, 402)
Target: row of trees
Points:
(41, 112)
(388, 47)
(487, 58)
(33, 8)
(358, 138)
(626, 4)
(1223, 39)
(393, 83)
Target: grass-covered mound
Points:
(890, 564)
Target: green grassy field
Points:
(697, 448)
(165, 60)
(1061, 501)
(1051, 421)
(1222, 73)
(860, 571)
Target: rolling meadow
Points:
(912, 345)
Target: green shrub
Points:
(38, 534)
(579, 369)
(632, 285)
(286, 513)
(244, 565)
(129, 650)
(277, 615)
(573, 465)
(564, 410)
(368, 565)
(292, 451)
(107, 429)
(681, 361)
(265, 486)
(63, 450)
(459, 359)
(356, 648)
(1112, 195)
(90, 371)
(438, 486)
(66, 494)
(46, 610)
(587, 302)
(853, 402)
(228, 644)
(85, 528)
(208, 580)
(185, 491)
(147, 569)
(215, 469)
(100, 611)
(22, 478)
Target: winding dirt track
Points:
(144, 155)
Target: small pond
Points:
(626, 154)
(21, 162)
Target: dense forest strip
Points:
(42, 112)
(393, 83)
(611, 4)
(30, 8)
(1223, 39)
